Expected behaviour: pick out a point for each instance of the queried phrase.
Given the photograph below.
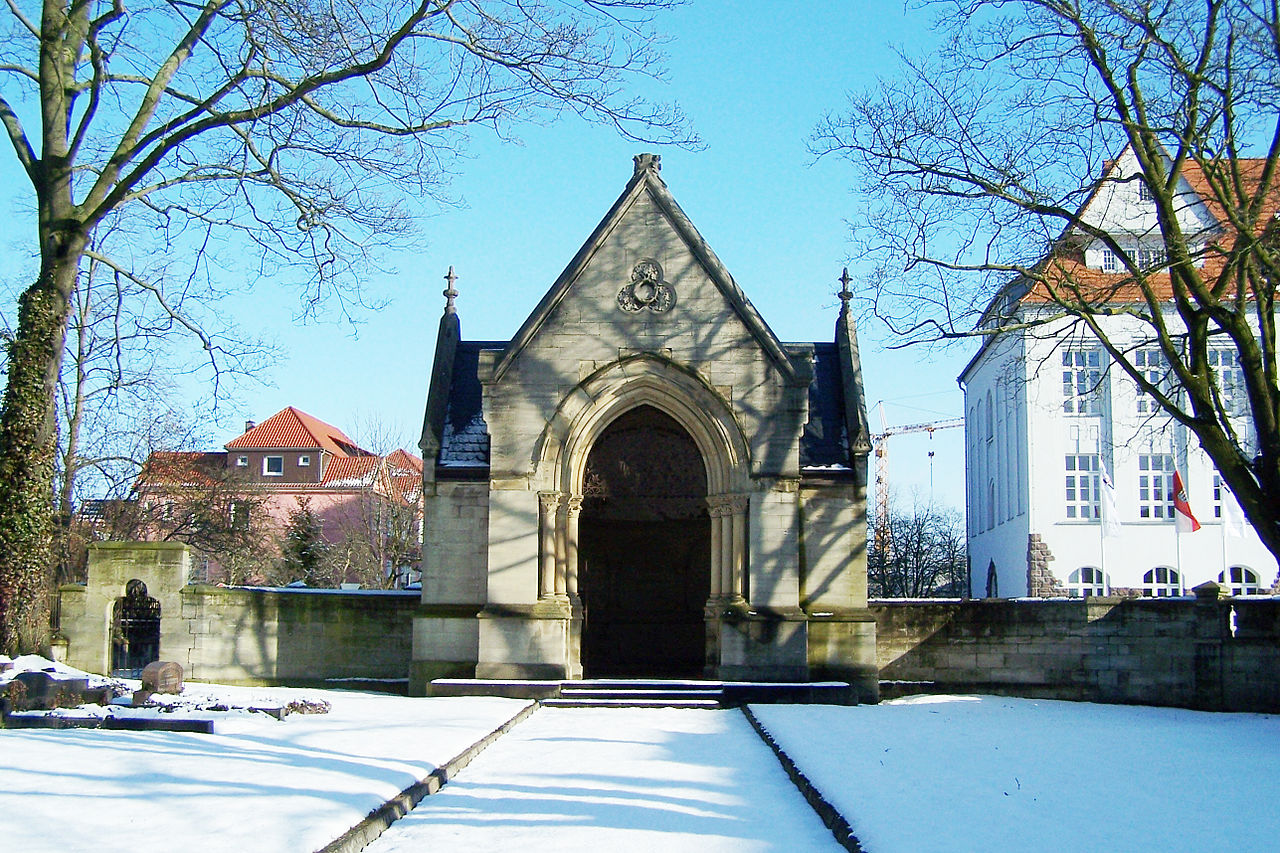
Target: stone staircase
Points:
(638, 693)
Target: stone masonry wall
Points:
(295, 636)
(1209, 653)
(238, 635)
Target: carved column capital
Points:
(721, 506)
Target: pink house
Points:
(368, 505)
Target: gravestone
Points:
(162, 676)
(41, 691)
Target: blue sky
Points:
(754, 78)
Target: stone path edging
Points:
(380, 819)
(832, 819)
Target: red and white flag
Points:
(1183, 520)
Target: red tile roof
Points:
(180, 468)
(1067, 268)
(353, 472)
(291, 429)
(402, 461)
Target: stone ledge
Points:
(380, 819)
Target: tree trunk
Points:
(28, 445)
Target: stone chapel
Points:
(644, 481)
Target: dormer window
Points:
(273, 466)
(1151, 258)
(304, 461)
(1109, 261)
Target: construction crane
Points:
(880, 446)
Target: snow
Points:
(919, 774)
(932, 773)
(256, 784)
(586, 779)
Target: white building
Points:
(1046, 411)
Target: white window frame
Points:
(1151, 257)
(1082, 487)
(1082, 381)
(1087, 582)
(266, 466)
(1110, 263)
(1242, 580)
(1155, 486)
(1162, 582)
(304, 461)
(1228, 375)
(1151, 363)
(242, 461)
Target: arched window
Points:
(1161, 582)
(991, 504)
(1240, 580)
(1086, 581)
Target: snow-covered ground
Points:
(256, 784)
(946, 773)
(919, 774)
(617, 779)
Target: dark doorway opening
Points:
(135, 631)
(644, 550)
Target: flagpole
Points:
(1177, 548)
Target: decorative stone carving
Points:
(646, 290)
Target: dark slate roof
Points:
(465, 442)
(464, 446)
(825, 440)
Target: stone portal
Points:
(645, 550)
(644, 480)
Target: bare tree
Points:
(117, 395)
(194, 498)
(376, 534)
(917, 551)
(289, 128)
(975, 166)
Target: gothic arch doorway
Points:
(135, 631)
(645, 550)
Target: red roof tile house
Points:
(237, 506)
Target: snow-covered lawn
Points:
(935, 773)
(920, 774)
(256, 784)
(617, 779)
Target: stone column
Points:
(714, 509)
(574, 509)
(548, 513)
(728, 545)
(738, 547)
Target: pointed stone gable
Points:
(645, 233)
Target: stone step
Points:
(629, 702)
(605, 693)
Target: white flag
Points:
(1110, 515)
(1233, 523)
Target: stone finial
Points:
(845, 294)
(647, 163)
(450, 292)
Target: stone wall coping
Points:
(137, 546)
(210, 589)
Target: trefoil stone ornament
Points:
(646, 290)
